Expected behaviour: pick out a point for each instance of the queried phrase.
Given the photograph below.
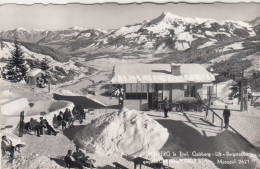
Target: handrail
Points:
(214, 113)
(208, 108)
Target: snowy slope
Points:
(8, 47)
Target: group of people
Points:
(34, 126)
(77, 159)
(68, 117)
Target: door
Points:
(150, 100)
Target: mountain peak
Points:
(166, 14)
(76, 28)
(255, 22)
(21, 29)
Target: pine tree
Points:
(16, 69)
(45, 64)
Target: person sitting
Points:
(42, 125)
(45, 123)
(33, 125)
(79, 155)
(7, 145)
(71, 162)
(60, 120)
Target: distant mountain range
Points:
(168, 32)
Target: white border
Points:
(119, 1)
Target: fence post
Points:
(221, 124)
(207, 112)
(213, 116)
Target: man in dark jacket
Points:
(67, 117)
(79, 155)
(71, 162)
(166, 107)
(45, 123)
(226, 115)
(60, 120)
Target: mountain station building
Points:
(146, 85)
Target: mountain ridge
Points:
(167, 32)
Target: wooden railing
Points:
(207, 111)
(215, 114)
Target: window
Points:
(136, 88)
(189, 90)
(136, 96)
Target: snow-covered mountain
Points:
(24, 35)
(168, 32)
(255, 22)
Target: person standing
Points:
(61, 121)
(54, 121)
(166, 107)
(226, 115)
(68, 117)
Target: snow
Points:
(76, 28)
(185, 36)
(207, 24)
(148, 45)
(207, 44)
(141, 39)
(39, 106)
(35, 161)
(209, 33)
(87, 35)
(14, 107)
(34, 72)
(127, 30)
(146, 73)
(180, 45)
(234, 46)
(223, 57)
(136, 134)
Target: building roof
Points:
(34, 72)
(160, 73)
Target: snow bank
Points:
(31, 161)
(14, 107)
(128, 132)
(39, 106)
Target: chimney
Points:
(176, 69)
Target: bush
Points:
(78, 64)
(60, 69)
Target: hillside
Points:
(59, 71)
(167, 38)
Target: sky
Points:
(111, 15)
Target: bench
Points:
(141, 161)
(119, 166)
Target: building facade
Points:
(147, 85)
